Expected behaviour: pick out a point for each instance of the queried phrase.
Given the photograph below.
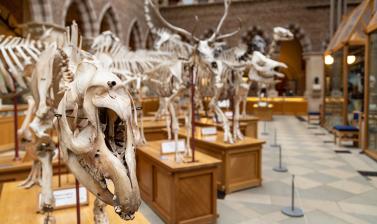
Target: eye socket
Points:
(214, 65)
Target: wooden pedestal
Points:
(178, 192)
(18, 170)
(153, 129)
(241, 165)
(19, 205)
(263, 113)
(248, 125)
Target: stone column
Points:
(332, 17)
(339, 13)
(314, 68)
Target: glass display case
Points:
(372, 93)
(333, 110)
(356, 64)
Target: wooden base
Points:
(248, 125)
(178, 192)
(18, 170)
(19, 205)
(241, 165)
(153, 129)
(263, 113)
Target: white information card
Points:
(208, 131)
(168, 147)
(66, 197)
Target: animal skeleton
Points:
(96, 123)
(201, 57)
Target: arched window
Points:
(83, 13)
(149, 41)
(109, 22)
(134, 40)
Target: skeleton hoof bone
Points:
(111, 84)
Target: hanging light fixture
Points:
(351, 59)
(329, 60)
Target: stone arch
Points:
(149, 40)
(249, 35)
(301, 36)
(108, 20)
(134, 36)
(83, 12)
(41, 10)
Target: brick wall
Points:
(312, 16)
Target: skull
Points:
(98, 136)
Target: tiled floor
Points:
(328, 187)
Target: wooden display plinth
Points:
(248, 125)
(153, 129)
(19, 205)
(241, 165)
(263, 113)
(18, 170)
(7, 123)
(178, 192)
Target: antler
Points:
(217, 31)
(232, 33)
(169, 25)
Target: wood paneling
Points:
(282, 105)
(180, 192)
(241, 162)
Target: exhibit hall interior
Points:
(188, 111)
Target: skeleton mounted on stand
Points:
(95, 120)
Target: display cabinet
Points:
(334, 96)
(344, 79)
(370, 146)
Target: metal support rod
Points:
(275, 144)
(15, 124)
(292, 211)
(59, 168)
(280, 168)
(78, 218)
(280, 165)
(192, 113)
(293, 193)
(264, 128)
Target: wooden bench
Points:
(346, 133)
(313, 117)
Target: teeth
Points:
(118, 209)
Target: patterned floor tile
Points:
(350, 186)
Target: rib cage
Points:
(125, 62)
(16, 53)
